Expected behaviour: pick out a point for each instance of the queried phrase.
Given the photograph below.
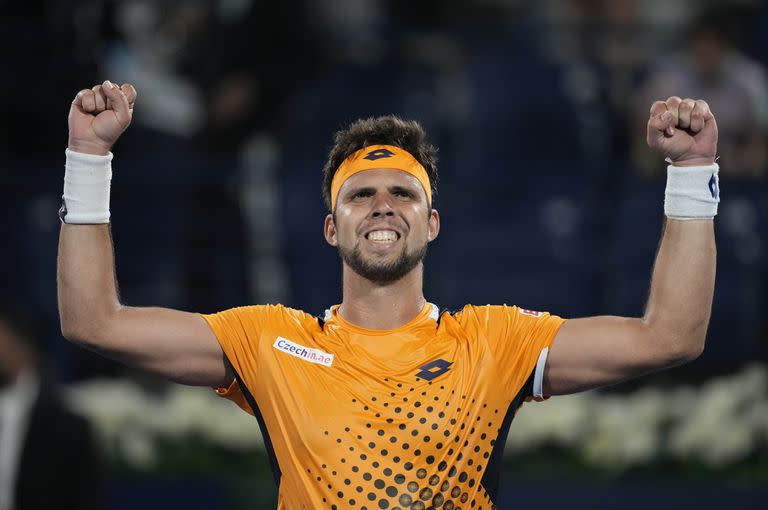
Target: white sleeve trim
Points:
(538, 376)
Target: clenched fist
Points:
(98, 116)
(684, 130)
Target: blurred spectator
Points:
(599, 45)
(246, 61)
(144, 48)
(353, 31)
(212, 77)
(735, 86)
(214, 70)
(47, 455)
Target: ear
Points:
(434, 225)
(329, 231)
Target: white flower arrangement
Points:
(720, 423)
(130, 422)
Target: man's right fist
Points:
(98, 116)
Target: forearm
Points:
(87, 291)
(597, 351)
(178, 345)
(682, 287)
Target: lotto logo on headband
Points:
(378, 154)
(368, 158)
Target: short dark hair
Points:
(385, 130)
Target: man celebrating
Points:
(385, 402)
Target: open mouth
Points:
(382, 236)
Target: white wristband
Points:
(87, 181)
(692, 193)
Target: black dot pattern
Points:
(359, 419)
(422, 446)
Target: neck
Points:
(382, 306)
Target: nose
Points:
(382, 206)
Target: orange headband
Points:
(379, 156)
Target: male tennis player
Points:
(385, 402)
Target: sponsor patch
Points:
(532, 313)
(305, 353)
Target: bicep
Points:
(599, 351)
(177, 345)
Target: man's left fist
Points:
(684, 130)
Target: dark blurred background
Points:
(548, 195)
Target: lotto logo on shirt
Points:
(305, 353)
(532, 313)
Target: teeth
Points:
(383, 235)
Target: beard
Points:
(384, 272)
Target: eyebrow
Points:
(372, 190)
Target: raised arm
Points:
(177, 345)
(599, 351)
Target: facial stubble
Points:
(382, 272)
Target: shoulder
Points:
(470, 312)
(269, 310)
(263, 316)
(489, 315)
(477, 317)
(294, 315)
